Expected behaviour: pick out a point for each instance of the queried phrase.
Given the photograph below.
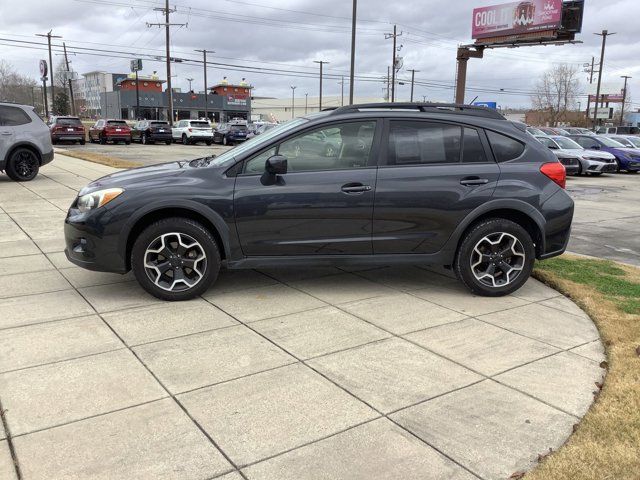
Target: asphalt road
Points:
(606, 222)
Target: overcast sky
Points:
(288, 35)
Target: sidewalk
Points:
(281, 374)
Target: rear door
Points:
(7, 129)
(432, 175)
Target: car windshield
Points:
(624, 142)
(566, 143)
(635, 141)
(200, 124)
(68, 121)
(607, 142)
(117, 122)
(258, 140)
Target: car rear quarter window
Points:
(13, 117)
(420, 143)
(504, 148)
(472, 147)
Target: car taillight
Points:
(190, 129)
(556, 172)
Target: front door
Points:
(323, 205)
(434, 175)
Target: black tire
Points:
(103, 140)
(185, 140)
(208, 142)
(23, 165)
(224, 142)
(82, 142)
(472, 238)
(127, 142)
(143, 139)
(183, 226)
(168, 142)
(54, 141)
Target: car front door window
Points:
(337, 147)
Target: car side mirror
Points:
(276, 165)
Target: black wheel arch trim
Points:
(223, 231)
(453, 243)
(30, 145)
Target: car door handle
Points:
(469, 181)
(355, 188)
(5, 133)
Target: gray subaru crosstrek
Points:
(421, 184)
(25, 142)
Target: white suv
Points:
(192, 131)
(25, 142)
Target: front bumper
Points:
(90, 245)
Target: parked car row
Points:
(582, 151)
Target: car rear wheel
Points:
(185, 140)
(168, 142)
(23, 165)
(175, 259)
(495, 258)
(103, 140)
(143, 139)
(208, 142)
(82, 142)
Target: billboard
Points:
(516, 18)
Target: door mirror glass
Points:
(276, 165)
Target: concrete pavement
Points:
(278, 374)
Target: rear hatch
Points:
(117, 127)
(68, 126)
(160, 127)
(200, 127)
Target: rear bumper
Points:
(160, 137)
(47, 157)
(70, 137)
(118, 138)
(558, 212)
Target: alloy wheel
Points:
(497, 259)
(175, 262)
(25, 164)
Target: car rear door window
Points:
(419, 143)
(472, 147)
(504, 148)
(13, 117)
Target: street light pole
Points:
(204, 65)
(189, 80)
(624, 98)
(321, 62)
(293, 100)
(413, 74)
(604, 35)
(353, 50)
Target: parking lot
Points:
(275, 374)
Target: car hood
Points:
(156, 174)
(596, 154)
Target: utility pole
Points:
(387, 36)
(413, 75)
(306, 100)
(66, 61)
(206, 88)
(167, 24)
(604, 35)
(321, 62)
(624, 98)
(51, 69)
(293, 100)
(388, 84)
(353, 50)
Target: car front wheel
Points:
(495, 258)
(23, 165)
(175, 259)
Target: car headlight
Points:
(93, 200)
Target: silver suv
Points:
(25, 142)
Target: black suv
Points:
(423, 184)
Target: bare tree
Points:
(556, 93)
(15, 87)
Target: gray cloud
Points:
(431, 31)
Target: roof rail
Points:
(452, 108)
